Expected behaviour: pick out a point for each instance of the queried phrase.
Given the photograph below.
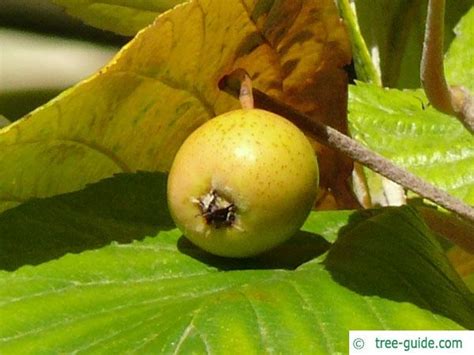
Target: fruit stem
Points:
(450, 100)
(246, 93)
(239, 84)
(334, 139)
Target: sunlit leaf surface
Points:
(459, 64)
(135, 113)
(403, 127)
(161, 294)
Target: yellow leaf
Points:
(135, 113)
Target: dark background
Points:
(55, 35)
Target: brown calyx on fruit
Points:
(216, 210)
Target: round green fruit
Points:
(243, 183)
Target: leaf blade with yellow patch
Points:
(138, 109)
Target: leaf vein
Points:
(77, 285)
(324, 332)
(173, 84)
(121, 307)
(376, 313)
(262, 330)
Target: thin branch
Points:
(463, 104)
(334, 139)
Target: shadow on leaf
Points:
(302, 247)
(122, 208)
(393, 255)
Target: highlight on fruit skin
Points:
(243, 183)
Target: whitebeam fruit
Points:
(243, 183)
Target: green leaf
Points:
(161, 294)
(459, 64)
(125, 17)
(361, 249)
(394, 32)
(401, 126)
(365, 68)
(123, 208)
(469, 280)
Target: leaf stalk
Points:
(455, 101)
